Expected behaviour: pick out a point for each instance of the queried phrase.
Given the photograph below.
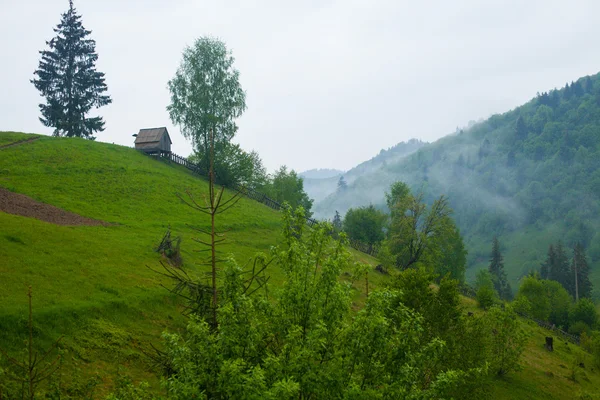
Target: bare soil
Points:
(18, 142)
(19, 204)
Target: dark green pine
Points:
(67, 78)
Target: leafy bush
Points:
(507, 340)
(308, 343)
(585, 311)
(486, 297)
(486, 294)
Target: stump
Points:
(549, 343)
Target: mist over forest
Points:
(530, 176)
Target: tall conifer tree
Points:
(67, 78)
(546, 269)
(561, 270)
(496, 269)
(582, 287)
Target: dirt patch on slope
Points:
(18, 142)
(19, 204)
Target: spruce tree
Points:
(582, 287)
(337, 222)
(546, 269)
(67, 78)
(496, 269)
(521, 128)
(561, 270)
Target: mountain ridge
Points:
(530, 171)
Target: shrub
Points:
(585, 311)
(507, 340)
(486, 297)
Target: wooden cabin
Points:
(153, 140)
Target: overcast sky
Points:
(329, 83)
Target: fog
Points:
(329, 84)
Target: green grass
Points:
(545, 375)
(525, 244)
(92, 286)
(94, 279)
(12, 137)
(549, 375)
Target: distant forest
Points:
(534, 170)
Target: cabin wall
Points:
(165, 144)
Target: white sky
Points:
(329, 83)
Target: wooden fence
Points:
(257, 196)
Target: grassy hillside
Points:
(544, 374)
(530, 176)
(91, 283)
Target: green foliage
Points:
(485, 293)
(365, 224)
(102, 276)
(67, 78)
(584, 311)
(287, 186)
(233, 165)
(548, 192)
(507, 340)
(414, 229)
(206, 97)
(545, 300)
(127, 390)
(307, 343)
(533, 290)
(496, 269)
(337, 222)
(447, 255)
(560, 303)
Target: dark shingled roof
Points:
(151, 135)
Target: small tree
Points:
(414, 228)
(534, 291)
(585, 311)
(67, 78)
(36, 368)
(484, 286)
(206, 97)
(507, 340)
(288, 186)
(365, 224)
(337, 222)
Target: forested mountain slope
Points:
(530, 176)
(319, 187)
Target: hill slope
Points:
(530, 176)
(91, 285)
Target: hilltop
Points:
(530, 176)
